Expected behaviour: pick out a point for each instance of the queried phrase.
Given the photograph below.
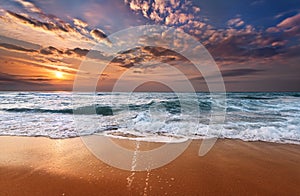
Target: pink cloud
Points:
(29, 6)
(290, 26)
(290, 22)
(237, 22)
(169, 12)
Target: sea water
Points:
(269, 116)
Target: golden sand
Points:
(42, 166)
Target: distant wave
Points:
(62, 111)
(262, 95)
(256, 98)
(172, 106)
(88, 110)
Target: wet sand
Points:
(42, 166)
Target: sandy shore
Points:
(42, 166)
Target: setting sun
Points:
(59, 74)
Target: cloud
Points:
(50, 50)
(43, 64)
(196, 9)
(100, 36)
(45, 59)
(168, 12)
(29, 6)
(53, 22)
(239, 72)
(236, 22)
(246, 47)
(78, 51)
(232, 73)
(56, 54)
(81, 26)
(290, 26)
(134, 5)
(273, 30)
(5, 77)
(44, 25)
(24, 44)
(237, 42)
(79, 23)
(24, 82)
(137, 72)
(44, 29)
(50, 58)
(16, 48)
(141, 56)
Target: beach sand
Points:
(42, 166)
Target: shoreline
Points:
(177, 140)
(39, 165)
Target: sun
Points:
(59, 75)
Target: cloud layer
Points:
(36, 42)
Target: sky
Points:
(255, 43)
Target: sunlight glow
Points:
(59, 75)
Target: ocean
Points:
(263, 116)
